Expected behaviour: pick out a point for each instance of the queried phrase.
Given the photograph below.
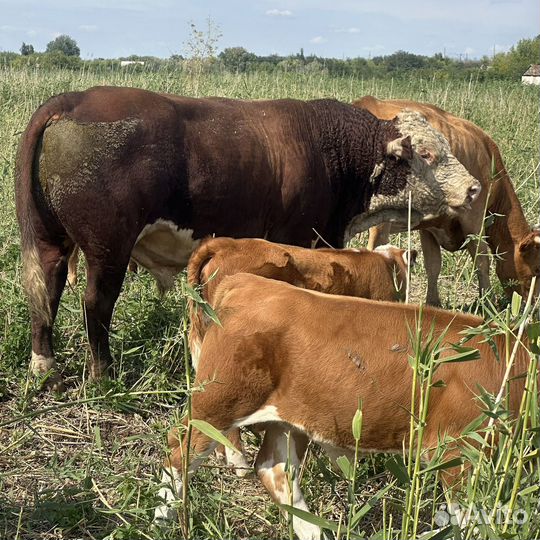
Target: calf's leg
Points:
(281, 446)
(172, 481)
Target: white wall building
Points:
(532, 75)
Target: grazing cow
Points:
(124, 172)
(301, 361)
(509, 236)
(379, 275)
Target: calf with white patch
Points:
(284, 356)
(127, 173)
(379, 275)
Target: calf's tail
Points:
(199, 323)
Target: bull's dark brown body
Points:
(95, 167)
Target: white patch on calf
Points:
(168, 493)
(164, 250)
(40, 364)
(267, 414)
(195, 349)
(238, 461)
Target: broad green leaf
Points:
(441, 466)
(464, 354)
(309, 517)
(210, 431)
(516, 304)
(345, 465)
(438, 534)
(528, 491)
(397, 467)
(474, 425)
(209, 311)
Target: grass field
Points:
(86, 464)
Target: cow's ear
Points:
(400, 148)
(531, 241)
(409, 255)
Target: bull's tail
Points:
(32, 212)
(199, 323)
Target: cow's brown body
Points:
(123, 173)
(516, 246)
(303, 361)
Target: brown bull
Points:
(124, 172)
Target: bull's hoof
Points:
(99, 371)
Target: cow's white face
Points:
(434, 165)
(436, 184)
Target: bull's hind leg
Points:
(279, 448)
(105, 278)
(45, 271)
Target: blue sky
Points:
(337, 28)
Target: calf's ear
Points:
(400, 148)
(531, 241)
(409, 255)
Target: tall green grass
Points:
(86, 464)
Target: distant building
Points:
(532, 75)
(124, 63)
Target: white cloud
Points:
(7, 28)
(88, 27)
(31, 32)
(279, 13)
(352, 30)
(469, 51)
(318, 40)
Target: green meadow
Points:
(86, 464)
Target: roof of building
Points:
(533, 71)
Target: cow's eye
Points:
(428, 156)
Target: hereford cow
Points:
(124, 172)
(301, 361)
(516, 245)
(379, 275)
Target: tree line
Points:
(203, 56)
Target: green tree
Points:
(237, 59)
(518, 59)
(64, 44)
(27, 49)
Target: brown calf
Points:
(379, 275)
(510, 237)
(301, 361)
